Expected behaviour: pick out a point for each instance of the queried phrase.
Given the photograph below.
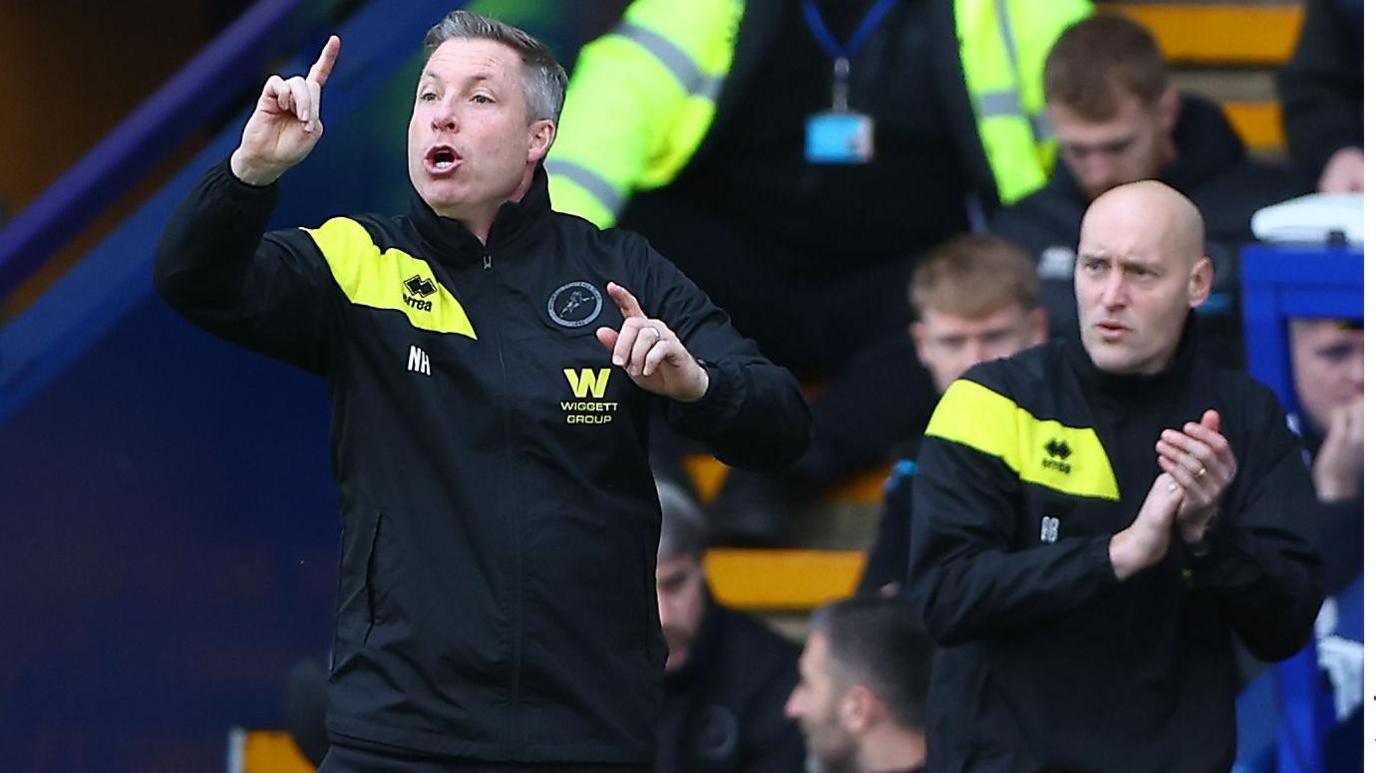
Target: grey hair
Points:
(543, 81)
(684, 530)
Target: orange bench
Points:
(1227, 36)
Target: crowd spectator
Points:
(974, 298)
(1118, 119)
(727, 676)
(1326, 366)
(862, 687)
(1326, 362)
(1321, 96)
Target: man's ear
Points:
(1167, 108)
(1201, 281)
(858, 710)
(1040, 326)
(915, 332)
(541, 138)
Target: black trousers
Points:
(348, 759)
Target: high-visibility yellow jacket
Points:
(644, 97)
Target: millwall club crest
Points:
(575, 304)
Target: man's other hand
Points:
(651, 354)
(1144, 543)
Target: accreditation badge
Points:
(836, 137)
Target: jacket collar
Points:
(1133, 388)
(451, 241)
(1205, 145)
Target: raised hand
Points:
(285, 124)
(1338, 464)
(651, 354)
(1343, 172)
(1202, 464)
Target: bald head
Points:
(1140, 270)
(1158, 210)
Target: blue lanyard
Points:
(828, 41)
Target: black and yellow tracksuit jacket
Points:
(496, 591)
(1047, 661)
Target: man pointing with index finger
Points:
(492, 366)
(652, 355)
(285, 124)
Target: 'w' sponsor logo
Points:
(587, 382)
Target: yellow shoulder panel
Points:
(1040, 451)
(390, 280)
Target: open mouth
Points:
(1112, 329)
(441, 158)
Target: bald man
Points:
(1096, 519)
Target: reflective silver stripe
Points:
(1041, 127)
(1000, 104)
(974, 212)
(590, 181)
(997, 102)
(993, 104)
(1010, 43)
(675, 59)
(708, 88)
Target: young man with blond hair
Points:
(974, 298)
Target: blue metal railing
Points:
(153, 131)
(115, 276)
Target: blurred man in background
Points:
(1119, 119)
(1321, 96)
(862, 689)
(974, 299)
(727, 676)
(1326, 365)
(1326, 359)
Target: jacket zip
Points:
(518, 619)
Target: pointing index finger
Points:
(320, 71)
(630, 307)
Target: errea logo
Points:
(417, 288)
(1057, 452)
